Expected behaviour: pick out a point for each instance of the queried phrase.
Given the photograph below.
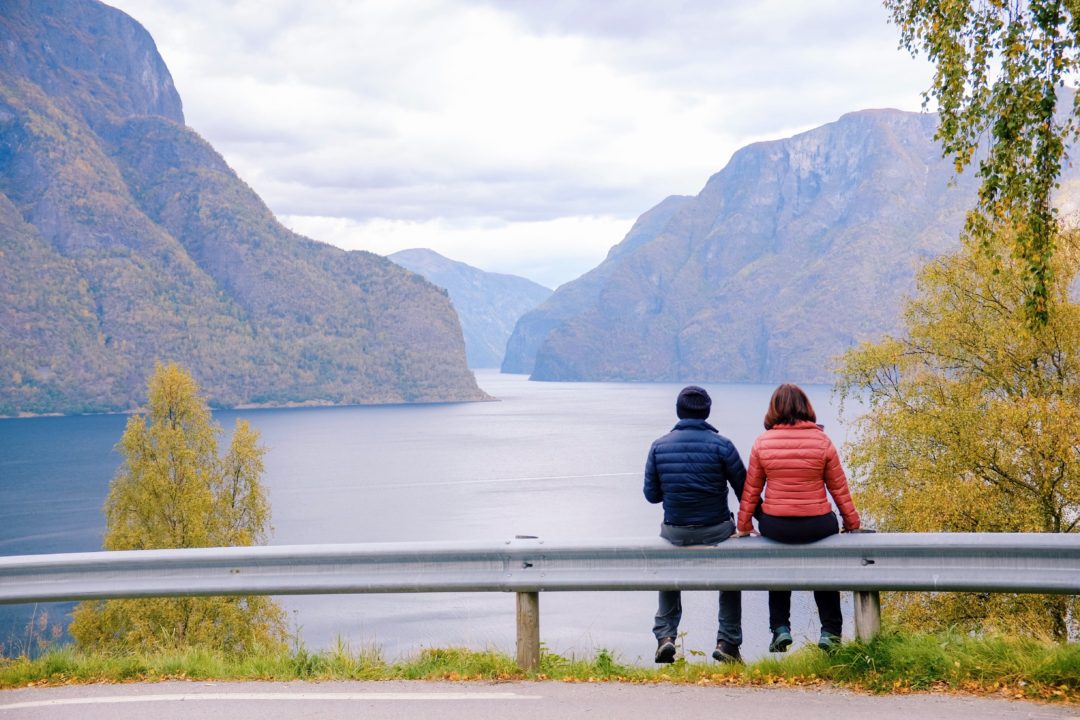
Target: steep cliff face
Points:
(488, 304)
(93, 59)
(127, 239)
(796, 250)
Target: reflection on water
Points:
(556, 460)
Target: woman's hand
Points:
(747, 533)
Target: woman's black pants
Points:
(795, 531)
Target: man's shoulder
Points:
(667, 437)
(725, 444)
(696, 434)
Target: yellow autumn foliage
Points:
(972, 424)
(175, 491)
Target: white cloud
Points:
(444, 114)
(549, 252)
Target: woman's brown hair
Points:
(788, 406)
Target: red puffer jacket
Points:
(798, 462)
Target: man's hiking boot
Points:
(665, 650)
(725, 652)
(828, 641)
(781, 639)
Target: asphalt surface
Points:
(418, 700)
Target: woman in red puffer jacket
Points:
(797, 462)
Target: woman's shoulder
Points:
(802, 433)
(802, 427)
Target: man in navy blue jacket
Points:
(689, 470)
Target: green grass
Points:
(891, 663)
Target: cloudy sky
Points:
(519, 136)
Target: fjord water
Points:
(556, 460)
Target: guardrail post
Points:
(867, 614)
(528, 631)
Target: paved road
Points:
(419, 700)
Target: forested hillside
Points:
(126, 239)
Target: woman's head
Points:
(788, 406)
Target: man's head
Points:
(693, 402)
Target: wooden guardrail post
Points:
(867, 614)
(528, 631)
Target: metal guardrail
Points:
(1043, 563)
(863, 563)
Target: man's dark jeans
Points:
(668, 615)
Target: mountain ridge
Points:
(794, 251)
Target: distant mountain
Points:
(126, 239)
(489, 304)
(795, 251)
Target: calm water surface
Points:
(556, 460)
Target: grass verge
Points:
(891, 663)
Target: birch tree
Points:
(173, 490)
(999, 71)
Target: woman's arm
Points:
(755, 482)
(836, 482)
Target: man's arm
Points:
(734, 470)
(653, 492)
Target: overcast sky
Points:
(519, 136)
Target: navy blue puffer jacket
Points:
(689, 470)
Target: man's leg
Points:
(729, 627)
(668, 614)
(666, 627)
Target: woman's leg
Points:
(776, 528)
(799, 530)
(779, 609)
(828, 609)
(780, 620)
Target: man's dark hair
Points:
(693, 402)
